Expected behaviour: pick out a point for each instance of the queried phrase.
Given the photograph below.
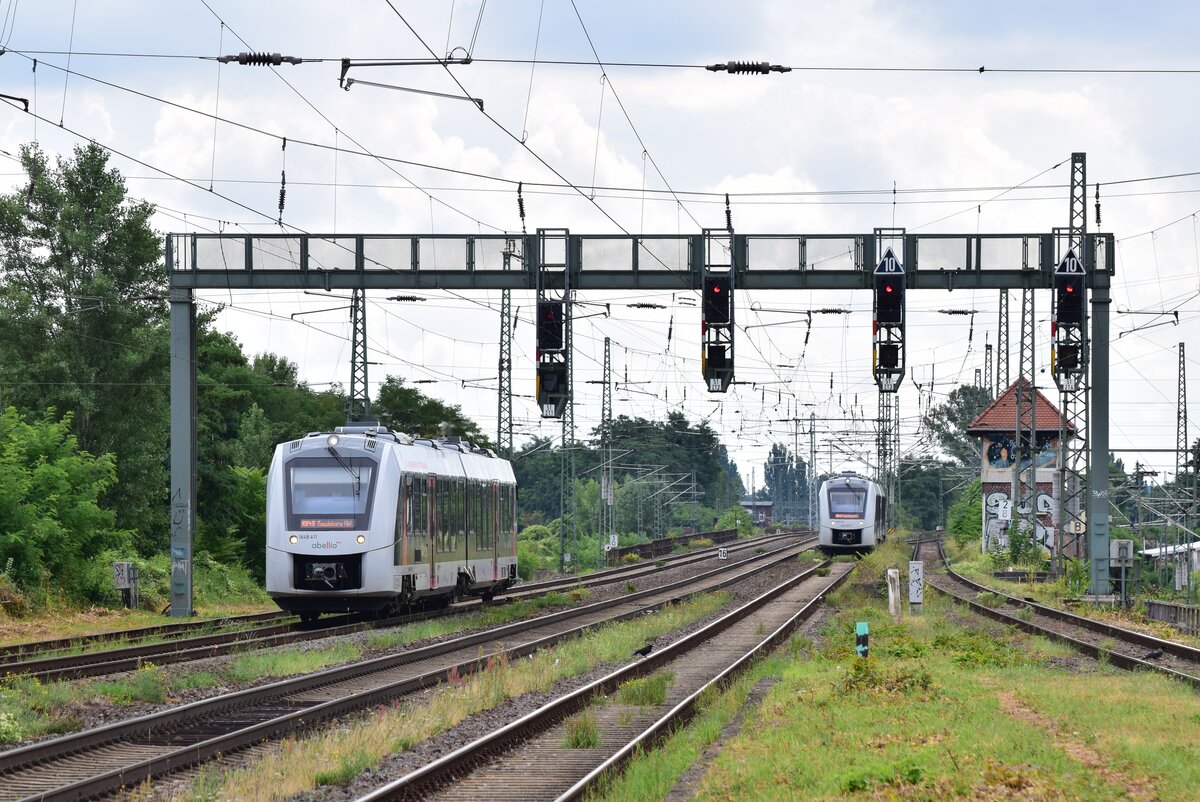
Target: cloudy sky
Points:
(883, 97)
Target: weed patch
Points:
(582, 731)
(148, 684)
(866, 676)
(978, 648)
(287, 663)
(646, 691)
(351, 766)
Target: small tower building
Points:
(996, 429)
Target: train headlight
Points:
(293, 540)
(361, 539)
(333, 440)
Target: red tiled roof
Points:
(1002, 414)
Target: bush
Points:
(51, 522)
(736, 518)
(964, 519)
(631, 558)
(700, 543)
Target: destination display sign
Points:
(326, 523)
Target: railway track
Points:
(43, 648)
(498, 765)
(106, 759)
(268, 634)
(1121, 647)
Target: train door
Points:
(493, 520)
(463, 524)
(430, 517)
(404, 521)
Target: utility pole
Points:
(793, 485)
(358, 405)
(607, 492)
(504, 410)
(1002, 345)
(568, 432)
(1070, 363)
(894, 471)
(1184, 475)
(504, 421)
(813, 501)
(989, 378)
(1024, 483)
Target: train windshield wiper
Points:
(355, 475)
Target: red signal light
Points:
(887, 288)
(1070, 288)
(716, 289)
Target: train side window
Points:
(460, 530)
(445, 514)
(472, 529)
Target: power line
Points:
(977, 70)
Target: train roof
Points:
(436, 455)
(847, 475)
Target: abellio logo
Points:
(328, 544)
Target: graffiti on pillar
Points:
(181, 538)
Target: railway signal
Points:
(552, 388)
(718, 299)
(549, 325)
(716, 310)
(887, 326)
(1069, 291)
(1068, 330)
(889, 298)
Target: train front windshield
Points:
(330, 493)
(847, 502)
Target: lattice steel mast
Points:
(607, 491)
(1002, 347)
(1024, 482)
(1185, 472)
(358, 404)
(1070, 363)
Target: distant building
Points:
(760, 511)
(996, 429)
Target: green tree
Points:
(964, 519)
(52, 522)
(408, 410)
(80, 327)
(786, 478)
(949, 420)
(737, 518)
(922, 501)
(256, 439)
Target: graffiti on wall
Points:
(996, 530)
(1001, 451)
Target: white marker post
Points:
(893, 582)
(916, 586)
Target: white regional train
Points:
(362, 519)
(852, 511)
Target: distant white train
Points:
(364, 519)
(852, 513)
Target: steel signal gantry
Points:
(557, 263)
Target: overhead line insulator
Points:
(747, 67)
(260, 59)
